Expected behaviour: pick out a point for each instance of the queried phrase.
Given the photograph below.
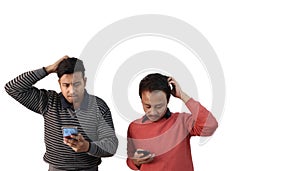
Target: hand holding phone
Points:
(142, 156)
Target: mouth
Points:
(153, 117)
(73, 96)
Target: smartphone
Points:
(67, 131)
(144, 152)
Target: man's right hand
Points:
(53, 68)
(139, 158)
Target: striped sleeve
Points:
(107, 143)
(21, 89)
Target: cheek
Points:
(81, 88)
(146, 109)
(162, 111)
(63, 89)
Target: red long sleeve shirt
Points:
(169, 138)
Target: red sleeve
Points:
(201, 122)
(130, 150)
(131, 165)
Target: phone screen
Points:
(68, 131)
(144, 152)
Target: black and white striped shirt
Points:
(93, 120)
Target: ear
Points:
(84, 80)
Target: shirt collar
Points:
(83, 105)
(167, 115)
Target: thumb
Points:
(80, 137)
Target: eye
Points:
(159, 106)
(76, 84)
(66, 85)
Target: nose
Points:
(71, 89)
(151, 111)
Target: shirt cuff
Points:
(92, 149)
(190, 101)
(40, 73)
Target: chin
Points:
(70, 100)
(154, 120)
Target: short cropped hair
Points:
(155, 81)
(69, 66)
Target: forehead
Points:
(76, 76)
(154, 97)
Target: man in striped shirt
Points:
(72, 107)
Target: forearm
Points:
(24, 81)
(21, 89)
(184, 97)
(106, 147)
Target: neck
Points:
(76, 106)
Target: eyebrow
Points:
(72, 82)
(160, 104)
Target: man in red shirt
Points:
(160, 140)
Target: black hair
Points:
(155, 81)
(69, 66)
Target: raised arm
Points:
(201, 122)
(21, 88)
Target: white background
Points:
(257, 43)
